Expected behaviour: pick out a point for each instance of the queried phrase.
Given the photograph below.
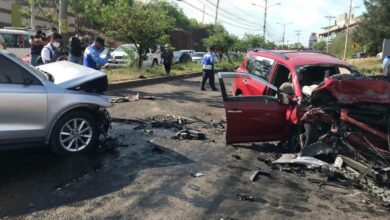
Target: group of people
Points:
(207, 63)
(83, 51)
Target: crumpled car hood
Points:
(349, 89)
(69, 75)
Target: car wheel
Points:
(75, 132)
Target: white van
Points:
(120, 55)
(16, 41)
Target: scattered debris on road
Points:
(255, 176)
(133, 98)
(237, 157)
(243, 197)
(197, 174)
(189, 135)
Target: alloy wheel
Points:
(75, 135)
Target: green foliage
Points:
(142, 24)
(375, 25)
(223, 41)
(250, 41)
(320, 46)
(336, 46)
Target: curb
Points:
(143, 82)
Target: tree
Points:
(144, 25)
(251, 41)
(374, 26)
(222, 41)
(320, 46)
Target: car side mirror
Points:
(283, 98)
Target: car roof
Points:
(13, 31)
(300, 58)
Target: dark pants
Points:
(167, 66)
(208, 74)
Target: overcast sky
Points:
(240, 16)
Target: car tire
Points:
(74, 133)
(302, 136)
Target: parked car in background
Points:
(16, 41)
(191, 52)
(59, 104)
(198, 56)
(359, 55)
(181, 57)
(380, 55)
(120, 56)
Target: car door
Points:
(259, 66)
(253, 118)
(23, 103)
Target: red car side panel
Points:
(256, 121)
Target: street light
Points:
(284, 30)
(265, 13)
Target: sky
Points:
(241, 16)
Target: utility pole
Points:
(284, 31)
(63, 17)
(204, 12)
(298, 34)
(327, 41)
(346, 35)
(32, 6)
(216, 13)
(265, 18)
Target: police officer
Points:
(167, 57)
(208, 69)
(92, 56)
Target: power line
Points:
(298, 33)
(232, 17)
(224, 21)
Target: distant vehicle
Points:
(380, 55)
(359, 55)
(120, 56)
(191, 52)
(16, 41)
(181, 57)
(197, 57)
(59, 104)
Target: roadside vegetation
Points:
(369, 66)
(132, 73)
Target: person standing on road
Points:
(37, 42)
(92, 53)
(49, 52)
(2, 43)
(76, 49)
(167, 57)
(208, 69)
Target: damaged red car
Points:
(315, 103)
(254, 113)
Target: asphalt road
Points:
(140, 181)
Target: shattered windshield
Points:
(315, 74)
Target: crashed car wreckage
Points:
(346, 116)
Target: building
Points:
(12, 15)
(312, 40)
(339, 25)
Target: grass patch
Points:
(369, 66)
(132, 73)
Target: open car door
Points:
(253, 118)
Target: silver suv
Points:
(58, 104)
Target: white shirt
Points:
(48, 54)
(2, 42)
